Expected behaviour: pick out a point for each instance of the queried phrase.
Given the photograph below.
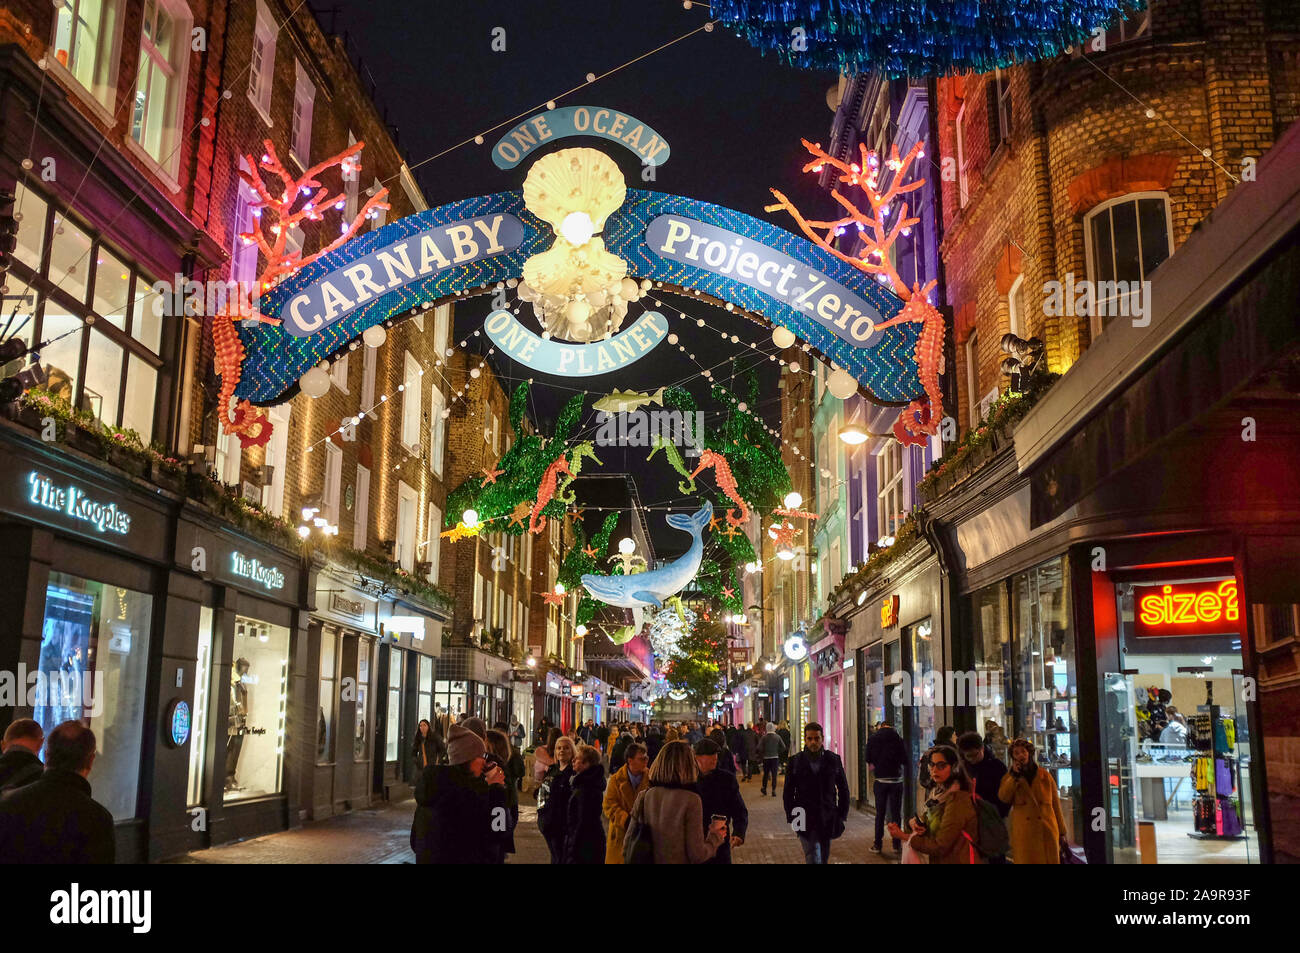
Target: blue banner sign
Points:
(340, 292)
(723, 252)
(576, 360)
(517, 144)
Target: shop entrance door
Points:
(1176, 736)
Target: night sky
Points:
(732, 118)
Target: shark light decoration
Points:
(653, 588)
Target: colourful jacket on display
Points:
(1036, 819)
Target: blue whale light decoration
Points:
(653, 587)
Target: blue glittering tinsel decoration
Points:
(916, 37)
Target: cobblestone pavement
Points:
(381, 835)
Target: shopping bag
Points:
(910, 856)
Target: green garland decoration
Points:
(524, 464)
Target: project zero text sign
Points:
(722, 252)
(414, 257)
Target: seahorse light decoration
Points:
(584, 449)
(726, 483)
(660, 442)
(250, 423)
(921, 417)
(545, 491)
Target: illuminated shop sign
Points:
(889, 612)
(254, 569)
(1192, 609)
(72, 501)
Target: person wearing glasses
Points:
(951, 827)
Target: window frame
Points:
(889, 485)
(973, 376)
(1096, 323)
(304, 105)
(404, 555)
(361, 509)
(104, 71)
(438, 430)
(45, 292)
(1015, 322)
(963, 181)
(412, 411)
(168, 159)
(332, 484)
(261, 68)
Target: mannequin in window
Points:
(238, 721)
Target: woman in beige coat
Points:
(673, 810)
(1037, 824)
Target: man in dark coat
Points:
(720, 792)
(619, 754)
(460, 814)
(746, 745)
(984, 769)
(584, 835)
(887, 755)
(816, 796)
(54, 820)
(20, 763)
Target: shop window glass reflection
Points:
(394, 721)
(991, 622)
(258, 691)
(202, 688)
(94, 663)
(325, 723)
(361, 740)
(1044, 678)
(924, 690)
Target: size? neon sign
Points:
(1195, 609)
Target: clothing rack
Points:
(1216, 811)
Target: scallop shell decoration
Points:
(578, 290)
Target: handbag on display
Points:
(1222, 777)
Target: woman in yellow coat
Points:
(1037, 824)
(620, 794)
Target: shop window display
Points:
(1176, 734)
(258, 692)
(93, 665)
(1043, 678)
(990, 615)
(394, 696)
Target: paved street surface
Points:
(381, 835)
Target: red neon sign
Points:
(1197, 609)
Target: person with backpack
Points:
(1037, 824)
(951, 831)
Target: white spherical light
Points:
(841, 384)
(626, 546)
(629, 290)
(793, 500)
(783, 337)
(316, 382)
(374, 336)
(470, 518)
(577, 228)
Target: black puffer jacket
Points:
(584, 836)
(553, 809)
